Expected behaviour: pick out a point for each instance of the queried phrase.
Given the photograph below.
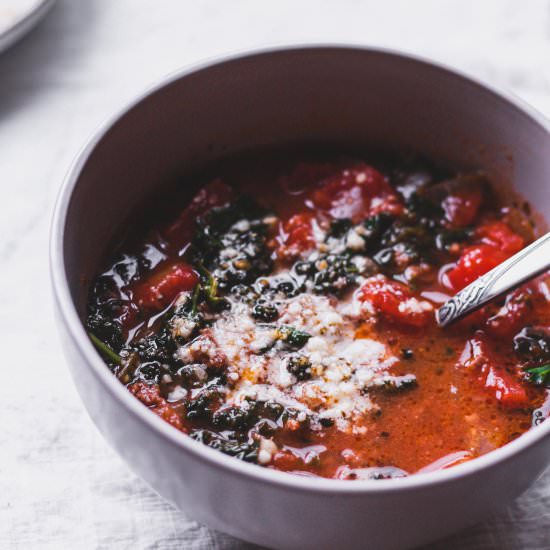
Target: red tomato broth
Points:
(454, 412)
(450, 411)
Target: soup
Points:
(284, 315)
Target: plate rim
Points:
(22, 25)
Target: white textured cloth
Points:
(61, 486)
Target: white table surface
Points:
(61, 486)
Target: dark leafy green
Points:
(105, 350)
(230, 242)
(229, 443)
(539, 375)
(293, 337)
(400, 383)
(265, 311)
(300, 367)
(533, 344)
(106, 328)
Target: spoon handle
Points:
(526, 264)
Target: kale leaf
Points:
(230, 443)
(539, 375)
(230, 242)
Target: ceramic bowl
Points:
(266, 99)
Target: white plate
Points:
(17, 17)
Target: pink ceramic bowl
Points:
(305, 94)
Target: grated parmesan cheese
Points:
(343, 368)
(413, 305)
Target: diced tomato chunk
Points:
(357, 193)
(507, 389)
(462, 205)
(151, 398)
(474, 262)
(164, 284)
(476, 352)
(499, 235)
(512, 315)
(498, 243)
(295, 236)
(395, 301)
(216, 193)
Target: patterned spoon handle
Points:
(526, 264)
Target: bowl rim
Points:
(77, 333)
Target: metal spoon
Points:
(526, 264)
